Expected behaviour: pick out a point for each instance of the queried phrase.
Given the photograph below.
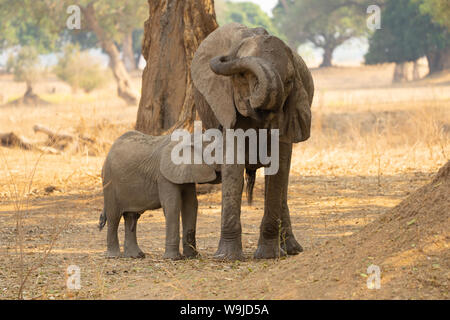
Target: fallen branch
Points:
(12, 140)
(52, 135)
(57, 142)
(55, 137)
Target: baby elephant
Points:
(139, 175)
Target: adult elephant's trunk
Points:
(268, 93)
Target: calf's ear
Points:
(184, 173)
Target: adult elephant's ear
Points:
(184, 173)
(296, 119)
(217, 89)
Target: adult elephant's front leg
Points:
(230, 244)
(276, 223)
(287, 240)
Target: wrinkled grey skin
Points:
(138, 175)
(245, 78)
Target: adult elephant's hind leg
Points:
(131, 248)
(230, 244)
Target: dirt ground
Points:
(372, 146)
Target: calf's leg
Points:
(131, 248)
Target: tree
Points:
(324, 23)
(406, 36)
(172, 34)
(43, 23)
(131, 20)
(80, 70)
(25, 27)
(138, 36)
(26, 23)
(439, 10)
(246, 13)
(101, 18)
(26, 68)
(127, 35)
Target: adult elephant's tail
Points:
(102, 220)
(250, 176)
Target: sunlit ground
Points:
(369, 149)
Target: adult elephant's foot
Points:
(269, 249)
(229, 250)
(291, 246)
(190, 252)
(172, 255)
(133, 252)
(113, 253)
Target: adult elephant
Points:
(246, 78)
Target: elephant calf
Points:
(139, 175)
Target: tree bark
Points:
(124, 88)
(438, 61)
(172, 34)
(400, 74)
(29, 98)
(127, 51)
(327, 57)
(29, 94)
(416, 72)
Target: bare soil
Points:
(363, 191)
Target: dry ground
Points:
(372, 145)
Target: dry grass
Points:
(371, 146)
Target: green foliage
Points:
(116, 17)
(406, 34)
(42, 23)
(138, 36)
(439, 10)
(84, 39)
(27, 23)
(325, 23)
(247, 13)
(25, 65)
(80, 70)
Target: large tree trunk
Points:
(124, 88)
(400, 74)
(327, 57)
(172, 34)
(127, 51)
(438, 60)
